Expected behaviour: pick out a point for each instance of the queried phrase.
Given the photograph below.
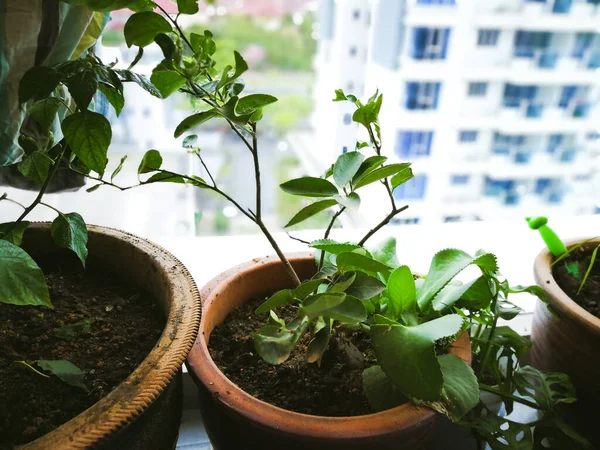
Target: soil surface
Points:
(125, 326)
(334, 389)
(589, 297)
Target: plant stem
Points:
(288, 267)
(13, 201)
(294, 238)
(381, 224)
(256, 173)
(207, 171)
(51, 207)
(327, 231)
(488, 344)
(492, 390)
(385, 181)
(174, 22)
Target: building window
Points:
(527, 42)
(356, 14)
(347, 119)
(452, 219)
(350, 86)
(514, 95)
(353, 51)
(436, 2)
(344, 149)
(542, 185)
(405, 221)
(583, 42)
(567, 95)
(467, 136)
(413, 189)
(459, 180)
(505, 144)
(496, 188)
(554, 142)
(477, 89)
(487, 38)
(430, 43)
(422, 95)
(410, 144)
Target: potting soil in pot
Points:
(99, 323)
(333, 389)
(589, 297)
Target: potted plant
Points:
(566, 332)
(89, 358)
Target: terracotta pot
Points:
(235, 420)
(143, 412)
(569, 342)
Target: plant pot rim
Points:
(137, 392)
(557, 298)
(201, 365)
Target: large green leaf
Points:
(381, 393)
(385, 252)
(140, 80)
(450, 294)
(310, 211)
(114, 97)
(141, 28)
(252, 102)
(44, 111)
(240, 64)
(351, 310)
(194, 120)
(274, 343)
(402, 292)
(167, 82)
(21, 280)
(368, 166)
(365, 287)
(37, 83)
(401, 177)
(307, 287)
(318, 304)
(346, 167)
(187, 6)
(82, 87)
(151, 162)
(88, 135)
(278, 299)
(310, 187)
(12, 232)
(66, 371)
(69, 231)
(379, 174)
(353, 261)
(407, 354)
(35, 167)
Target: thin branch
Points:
(523, 401)
(381, 224)
(298, 239)
(288, 267)
(385, 182)
(256, 173)
(51, 207)
(174, 22)
(13, 201)
(104, 182)
(206, 168)
(327, 231)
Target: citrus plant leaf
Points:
(69, 231)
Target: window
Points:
(562, 6)
(477, 89)
(527, 42)
(413, 189)
(514, 95)
(488, 38)
(436, 2)
(553, 142)
(422, 95)
(350, 86)
(542, 185)
(356, 14)
(413, 143)
(459, 180)
(566, 96)
(430, 43)
(467, 136)
(344, 149)
(452, 219)
(405, 221)
(504, 144)
(353, 51)
(496, 188)
(583, 42)
(347, 119)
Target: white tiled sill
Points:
(515, 245)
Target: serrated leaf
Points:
(13, 232)
(450, 294)
(278, 299)
(402, 292)
(381, 393)
(252, 102)
(310, 211)
(333, 247)
(21, 280)
(167, 82)
(309, 187)
(151, 162)
(346, 167)
(385, 252)
(114, 97)
(353, 261)
(380, 174)
(37, 83)
(141, 28)
(66, 371)
(35, 167)
(88, 135)
(194, 120)
(82, 87)
(69, 231)
(44, 111)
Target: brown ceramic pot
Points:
(144, 411)
(569, 342)
(235, 420)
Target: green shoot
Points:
(589, 269)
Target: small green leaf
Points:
(318, 345)
(166, 177)
(385, 252)
(507, 310)
(307, 288)
(353, 261)
(118, 169)
(352, 201)
(309, 187)
(278, 299)
(193, 121)
(66, 371)
(35, 167)
(37, 83)
(333, 247)
(365, 287)
(94, 188)
(69, 231)
(190, 141)
(402, 292)
(274, 344)
(73, 330)
(240, 64)
(82, 87)
(12, 232)
(114, 97)
(151, 162)
(350, 310)
(380, 391)
(140, 80)
(167, 82)
(380, 174)
(141, 28)
(166, 44)
(316, 305)
(21, 280)
(310, 211)
(368, 166)
(589, 269)
(187, 6)
(346, 167)
(401, 177)
(252, 102)
(88, 135)
(44, 111)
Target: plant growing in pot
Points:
(96, 322)
(566, 333)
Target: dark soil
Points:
(589, 297)
(334, 389)
(125, 326)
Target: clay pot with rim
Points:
(568, 340)
(235, 420)
(144, 411)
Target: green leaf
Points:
(187, 6)
(385, 252)
(589, 269)
(318, 345)
(309, 187)
(407, 354)
(310, 211)
(507, 310)
(166, 177)
(66, 371)
(278, 299)
(478, 296)
(190, 141)
(274, 344)
(36, 166)
(151, 162)
(44, 111)
(353, 261)
(368, 166)
(346, 167)
(166, 44)
(94, 188)
(82, 87)
(114, 97)
(381, 393)
(533, 290)
(252, 102)
(315, 305)
(307, 288)
(352, 201)
(401, 177)
(240, 64)
(140, 80)
(450, 294)
(402, 292)
(12, 232)
(118, 169)
(194, 120)
(141, 28)
(37, 83)
(21, 280)
(333, 247)
(379, 174)
(350, 310)
(88, 135)
(73, 330)
(365, 287)
(167, 82)
(69, 231)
